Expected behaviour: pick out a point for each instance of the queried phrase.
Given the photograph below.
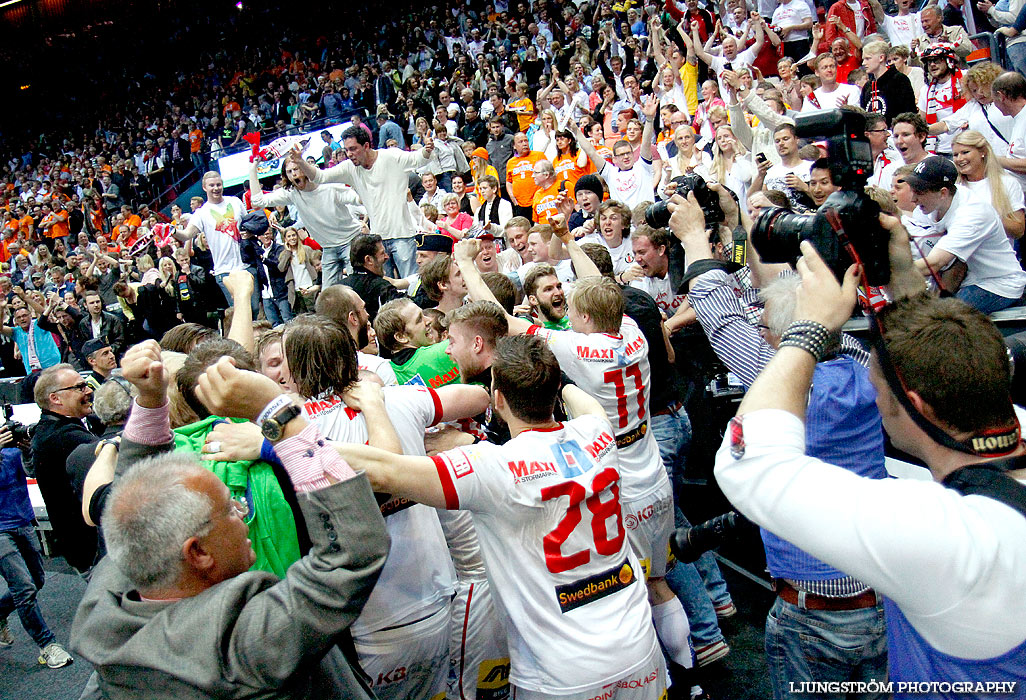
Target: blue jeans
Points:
(278, 311)
(334, 261)
(404, 255)
(693, 583)
(254, 301)
(987, 302)
(21, 565)
(1017, 56)
(820, 645)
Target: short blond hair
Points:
(600, 299)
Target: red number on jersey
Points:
(600, 510)
(615, 377)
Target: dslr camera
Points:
(846, 228)
(19, 431)
(658, 215)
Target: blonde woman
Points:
(979, 171)
(299, 263)
(689, 158)
(543, 135)
(148, 270)
(455, 222)
(729, 166)
(479, 167)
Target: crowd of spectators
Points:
(492, 181)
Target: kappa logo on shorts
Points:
(633, 519)
(573, 595)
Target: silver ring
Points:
(214, 447)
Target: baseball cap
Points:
(932, 173)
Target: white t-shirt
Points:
(614, 370)
(378, 365)
(632, 187)
(744, 59)
(622, 255)
(789, 14)
(901, 30)
(662, 291)
(776, 178)
(418, 577)
(988, 120)
(973, 233)
(884, 165)
(541, 550)
(844, 94)
(1017, 147)
(981, 188)
(220, 224)
(382, 189)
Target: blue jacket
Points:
(15, 506)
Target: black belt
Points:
(632, 436)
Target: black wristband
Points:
(812, 337)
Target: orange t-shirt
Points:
(568, 170)
(195, 140)
(25, 223)
(520, 178)
(544, 203)
(524, 120)
(60, 229)
(134, 220)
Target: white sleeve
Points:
(346, 195)
(955, 565)
(343, 172)
(274, 198)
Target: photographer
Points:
(842, 401)
(949, 557)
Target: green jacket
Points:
(272, 527)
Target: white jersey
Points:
(622, 255)
(614, 369)
(662, 291)
(378, 365)
(418, 575)
(1017, 145)
(886, 162)
(220, 224)
(547, 509)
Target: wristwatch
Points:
(274, 427)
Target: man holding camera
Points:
(949, 557)
(817, 605)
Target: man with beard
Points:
(651, 274)
(942, 96)
(345, 307)
(544, 292)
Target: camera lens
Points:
(657, 215)
(777, 234)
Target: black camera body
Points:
(847, 224)
(658, 215)
(19, 431)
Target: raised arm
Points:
(650, 109)
(464, 254)
(240, 286)
(583, 265)
(597, 160)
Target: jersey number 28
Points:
(558, 562)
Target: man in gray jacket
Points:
(173, 611)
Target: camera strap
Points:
(700, 267)
(995, 442)
(991, 480)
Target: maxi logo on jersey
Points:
(574, 595)
(621, 356)
(569, 459)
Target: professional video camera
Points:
(847, 225)
(658, 215)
